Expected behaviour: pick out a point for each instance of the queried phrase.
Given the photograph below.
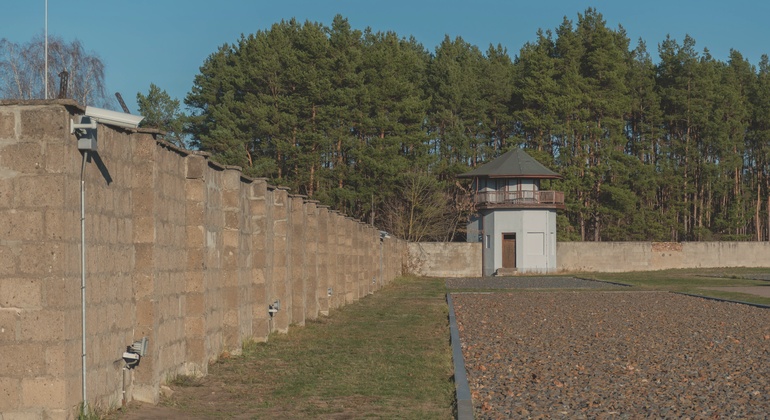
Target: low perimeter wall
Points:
(459, 259)
(179, 249)
(444, 259)
(648, 256)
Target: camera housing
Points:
(120, 119)
(86, 129)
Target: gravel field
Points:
(528, 283)
(618, 355)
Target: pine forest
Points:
(672, 147)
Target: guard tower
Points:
(514, 220)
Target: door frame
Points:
(508, 239)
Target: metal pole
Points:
(45, 78)
(83, 270)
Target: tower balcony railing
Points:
(514, 199)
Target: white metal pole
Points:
(45, 78)
(83, 271)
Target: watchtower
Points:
(515, 220)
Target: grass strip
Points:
(385, 356)
(694, 281)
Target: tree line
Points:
(375, 125)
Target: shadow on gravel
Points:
(529, 282)
(753, 276)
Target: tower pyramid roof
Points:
(515, 163)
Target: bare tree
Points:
(420, 212)
(22, 71)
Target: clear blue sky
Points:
(165, 42)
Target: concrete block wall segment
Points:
(195, 299)
(171, 264)
(341, 257)
(269, 256)
(9, 118)
(369, 263)
(310, 248)
(214, 224)
(145, 380)
(281, 318)
(246, 277)
(297, 259)
(332, 273)
(363, 270)
(27, 268)
(269, 272)
(372, 242)
(358, 276)
(349, 253)
(322, 259)
(343, 250)
(231, 236)
(258, 212)
(338, 259)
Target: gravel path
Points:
(616, 355)
(528, 283)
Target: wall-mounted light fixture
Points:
(135, 352)
(274, 307)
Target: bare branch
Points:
(22, 70)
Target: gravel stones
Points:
(588, 354)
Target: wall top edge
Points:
(39, 102)
(74, 108)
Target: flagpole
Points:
(45, 79)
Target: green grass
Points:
(385, 356)
(694, 281)
(87, 413)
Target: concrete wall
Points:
(460, 259)
(178, 249)
(648, 256)
(445, 259)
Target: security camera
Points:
(120, 119)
